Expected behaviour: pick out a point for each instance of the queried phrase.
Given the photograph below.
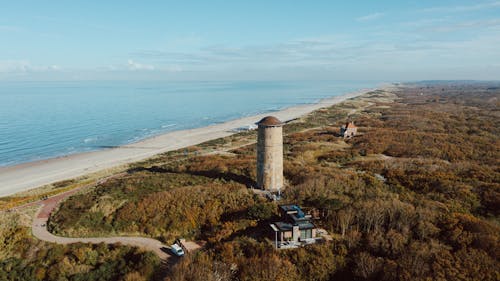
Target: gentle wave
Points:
(168, 126)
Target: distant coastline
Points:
(26, 176)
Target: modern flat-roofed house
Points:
(294, 229)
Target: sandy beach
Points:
(31, 175)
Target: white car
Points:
(177, 250)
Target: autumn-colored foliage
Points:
(24, 258)
(414, 196)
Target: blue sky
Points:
(249, 40)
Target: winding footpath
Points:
(39, 230)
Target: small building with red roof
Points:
(348, 130)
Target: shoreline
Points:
(30, 175)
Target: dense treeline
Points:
(414, 197)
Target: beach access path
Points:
(27, 176)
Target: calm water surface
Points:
(40, 120)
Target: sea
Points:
(42, 120)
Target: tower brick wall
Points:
(270, 154)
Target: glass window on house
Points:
(305, 233)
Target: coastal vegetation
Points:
(414, 196)
(24, 258)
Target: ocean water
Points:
(41, 120)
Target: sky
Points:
(249, 40)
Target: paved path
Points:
(39, 229)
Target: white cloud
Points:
(139, 66)
(370, 17)
(417, 48)
(25, 66)
(412, 49)
(159, 67)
